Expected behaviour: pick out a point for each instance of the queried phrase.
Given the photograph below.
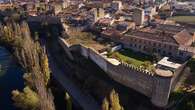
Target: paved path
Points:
(86, 102)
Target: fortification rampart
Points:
(152, 85)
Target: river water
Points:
(10, 79)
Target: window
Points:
(144, 48)
(159, 45)
(164, 52)
(130, 45)
(170, 47)
(181, 53)
(159, 50)
(154, 49)
(154, 44)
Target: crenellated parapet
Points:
(138, 69)
(156, 86)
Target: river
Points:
(10, 79)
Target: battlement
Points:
(138, 69)
(155, 86)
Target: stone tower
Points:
(138, 16)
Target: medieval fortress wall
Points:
(154, 86)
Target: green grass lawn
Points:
(134, 58)
(185, 19)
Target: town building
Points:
(138, 16)
(162, 40)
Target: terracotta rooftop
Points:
(170, 28)
(111, 33)
(163, 33)
(162, 37)
(173, 28)
(182, 37)
(104, 21)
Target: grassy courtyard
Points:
(184, 19)
(134, 58)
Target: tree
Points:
(113, 103)
(68, 101)
(36, 35)
(105, 104)
(190, 105)
(28, 79)
(156, 57)
(34, 60)
(27, 100)
(146, 64)
(45, 67)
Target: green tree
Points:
(46, 70)
(27, 100)
(34, 60)
(68, 101)
(28, 79)
(190, 105)
(105, 104)
(36, 35)
(114, 101)
(146, 64)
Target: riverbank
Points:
(11, 78)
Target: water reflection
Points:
(10, 79)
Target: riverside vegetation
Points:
(36, 95)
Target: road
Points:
(87, 102)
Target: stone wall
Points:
(94, 56)
(177, 75)
(156, 87)
(161, 90)
(66, 47)
(132, 77)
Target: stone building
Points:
(138, 16)
(161, 42)
(150, 40)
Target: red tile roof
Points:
(183, 37)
